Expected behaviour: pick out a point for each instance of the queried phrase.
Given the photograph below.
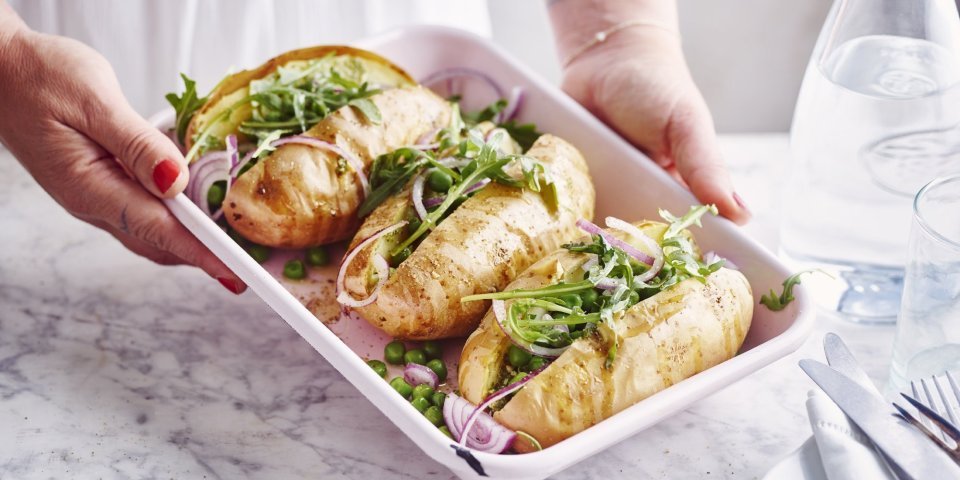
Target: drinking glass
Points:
(878, 116)
(927, 341)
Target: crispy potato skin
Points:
(296, 197)
(479, 248)
(664, 339)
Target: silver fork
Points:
(934, 412)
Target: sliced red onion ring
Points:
(490, 400)
(513, 105)
(592, 262)
(488, 436)
(204, 172)
(712, 256)
(416, 374)
(609, 283)
(500, 313)
(429, 137)
(592, 229)
(450, 73)
(383, 269)
(454, 162)
(652, 245)
(434, 201)
(416, 195)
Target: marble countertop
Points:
(112, 367)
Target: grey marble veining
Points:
(112, 367)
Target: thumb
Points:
(696, 154)
(143, 150)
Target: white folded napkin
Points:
(838, 450)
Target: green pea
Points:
(378, 366)
(536, 363)
(295, 270)
(439, 368)
(414, 224)
(317, 256)
(434, 415)
(421, 404)
(415, 356)
(399, 257)
(423, 391)
(446, 431)
(216, 194)
(572, 300)
(432, 349)
(401, 386)
(260, 253)
(438, 398)
(439, 181)
(517, 356)
(589, 298)
(393, 352)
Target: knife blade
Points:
(899, 441)
(841, 359)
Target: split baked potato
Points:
(682, 330)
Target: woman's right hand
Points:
(64, 117)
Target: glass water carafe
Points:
(878, 116)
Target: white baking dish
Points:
(628, 186)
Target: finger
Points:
(112, 198)
(143, 150)
(696, 154)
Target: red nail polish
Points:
(165, 173)
(736, 198)
(234, 286)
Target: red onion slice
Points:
(592, 229)
(416, 195)
(204, 172)
(651, 244)
(490, 400)
(513, 105)
(451, 73)
(416, 374)
(488, 436)
(383, 269)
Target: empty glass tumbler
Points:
(928, 329)
(878, 116)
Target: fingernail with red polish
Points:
(736, 198)
(235, 286)
(165, 173)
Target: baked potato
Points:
(300, 195)
(310, 123)
(479, 247)
(673, 334)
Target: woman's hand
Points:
(637, 82)
(65, 119)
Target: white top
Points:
(149, 42)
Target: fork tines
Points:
(942, 431)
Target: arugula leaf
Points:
(264, 145)
(692, 217)
(778, 302)
(367, 108)
(185, 105)
(525, 134)
(389, 173)
(488, 114)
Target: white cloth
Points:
(838, 450)
(149, 42)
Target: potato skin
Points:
(664, 339)
(296, 197)
(479, 248)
